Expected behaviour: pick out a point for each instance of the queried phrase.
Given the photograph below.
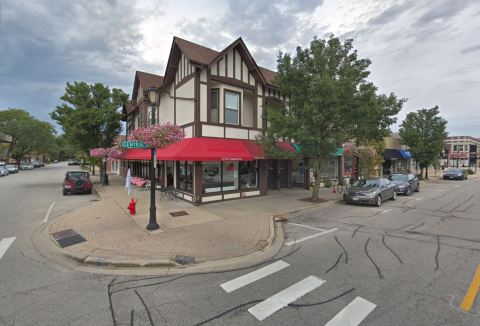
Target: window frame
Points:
(210, 119)
(239, 116)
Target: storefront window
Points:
(185, 176)
(298, 174)
(230, 176)
(169, 173)
(247, 171)
(212, 177)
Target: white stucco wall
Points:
(185, 108)
(247, 112)
(212, 131)
(166, 106)
(203, 102)
(236, 133)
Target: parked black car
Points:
(73, 163)
(371, 191)
(406, 183)
(77, 182)
(455, 174)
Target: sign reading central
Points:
(133, 144)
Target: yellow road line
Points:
(472, 292)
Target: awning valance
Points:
(405, 154)
(207, 149)
(136, 154)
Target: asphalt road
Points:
(410, 262)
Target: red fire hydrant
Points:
(131, 206)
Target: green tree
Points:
(89, 115)
(424, 131)
(29, 135)
(329, 101)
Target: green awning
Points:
(298, 148)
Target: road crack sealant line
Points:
(391, 250)
(111, 284)
(146, 308)
(373, 262)
(437, 266)
(344, 250)
(336, 263)
(292, 305)
(416, 227)
(356, 230)
(132, 314)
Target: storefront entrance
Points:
(277, 174)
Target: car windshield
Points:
(398, 177)
(453, 171)
(78, 175)
(367, 183)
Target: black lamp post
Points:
(152, 224)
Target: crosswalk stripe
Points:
(267, 307)
(246, 279)
(5, 244)
(353, 313)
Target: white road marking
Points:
(276, 302)
(246, 279)
(310, 237)
(48, 212)
(307, 226)
(386, 211)
(353, 313)
(5, 244)
(417, 199)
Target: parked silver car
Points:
(12, 168)
(371, 191)
(3, 171)
(406, 183)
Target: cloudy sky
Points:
(426, 51)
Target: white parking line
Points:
(48, 212)
(310, 237)
(386, 211)
(246, 279)
(353, 313)
(267, 307)
(5, 244)
(307, 226)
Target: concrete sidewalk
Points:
(239, 230)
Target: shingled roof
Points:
(195, 52)
(200, 54)
(148, 80)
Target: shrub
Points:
(470, 171)
(327, 182)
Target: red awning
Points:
(208, 149)
(136, 154)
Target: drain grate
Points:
(67, 238)
(184, 260)
(179, 213)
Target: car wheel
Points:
(409, 191)
(394, 196)
(379, 201)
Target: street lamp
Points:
(152, 224)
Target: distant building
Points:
(397, 158)
(462, 151)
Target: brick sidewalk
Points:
(210, 232)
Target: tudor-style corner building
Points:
(218, 98)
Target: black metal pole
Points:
(152, 225)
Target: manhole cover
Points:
(179, 213)
(184, 260)
(67, 238)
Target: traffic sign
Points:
(133, 144)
